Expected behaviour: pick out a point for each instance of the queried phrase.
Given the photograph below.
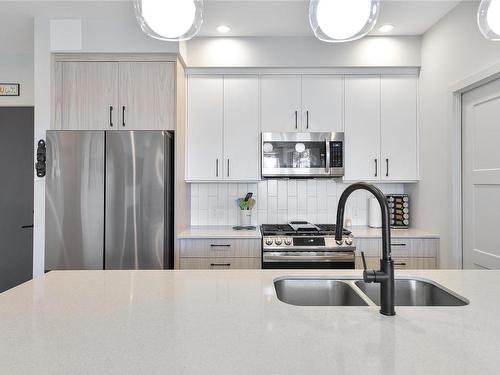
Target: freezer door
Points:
(74, 204)
(135, 200)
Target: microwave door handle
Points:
(327, 161)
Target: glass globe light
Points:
(170, 20)
(488, 19)
(342, 20)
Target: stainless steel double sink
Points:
(304, 291)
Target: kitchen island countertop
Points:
(231, 322)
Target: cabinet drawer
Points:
(416, 263)
(401, 247)
(207, 248)
(219, 263)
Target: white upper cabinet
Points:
(223, 128)
(89, 96)
(399, 128)
(147, 95)
(204, 128)
(281, 103)
(241, 128)
(362, 128)
(322, 103)
(381, 128)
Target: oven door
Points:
(307, 260)
(295, 154)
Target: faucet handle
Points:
(363, 259)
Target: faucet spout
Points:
(385, 276)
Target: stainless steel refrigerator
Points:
(109, 200)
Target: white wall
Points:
(16, 58)
(303, 52)
(17, 68)
(451, 51)
(280, 201)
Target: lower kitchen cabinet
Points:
(417, 263)
(220, 253)
(219, 263)
(408, 253)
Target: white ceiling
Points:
(290, 17)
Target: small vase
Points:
(245, 218)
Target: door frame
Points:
(455, 92)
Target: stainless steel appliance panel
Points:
(135, 223)
(302, 154)
(74, 221)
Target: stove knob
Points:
(348, 241)
(288, 241)
(278, 241)
(338, 242)
(269, 241)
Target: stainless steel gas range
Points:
(300, 244)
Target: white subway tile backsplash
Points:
(311, 188)
(272, 188)
(280, 201)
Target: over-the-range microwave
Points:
(295, 155)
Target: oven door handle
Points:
(341, 257)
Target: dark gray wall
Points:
(16, 195)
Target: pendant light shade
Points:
(488, 19)
(342, 20)
(170, 20)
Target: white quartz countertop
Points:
(367, 232)
(358, 232)
(231, 322)
(218, 232)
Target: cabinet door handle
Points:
(224, 245)
(307, 119)
(296, 119)
(376, 167)
(123, 116)
(111, 116)
(217, 167)
(327, 156)
(386, 167)
(227, 167)
(220, 264)
(402, 264)
(398, 244)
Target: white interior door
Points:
(281, 103)
(322, 103)
(481, 176)
(362, 128)
(241, 128)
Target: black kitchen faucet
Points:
(385, 276)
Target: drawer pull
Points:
(400, 264)
(215, 245)
(398, 244)
(220, 264)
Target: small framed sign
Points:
(9, 89)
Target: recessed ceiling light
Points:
(223, 29)
(386, 28)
